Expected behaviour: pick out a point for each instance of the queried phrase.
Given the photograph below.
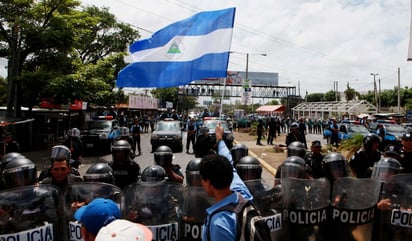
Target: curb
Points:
(266, 165)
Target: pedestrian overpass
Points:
(217, 89)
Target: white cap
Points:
(124, 230)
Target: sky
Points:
(312, 44)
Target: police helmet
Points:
(368, 141)
(294, 126)
(121, 151)
(204, 130)
(163, 155)
(238, 151)
(192, 172)
(249, 168)
(74, 132)
(385, 168)
(293, 166)
(60, 152)
(124, 131)
(20, 172)
(334, 166)
(99, 172)
(297, 148)
(8, 158)
(393, 151)
(153, 174)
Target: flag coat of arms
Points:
(191, 49)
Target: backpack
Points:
(251, 226)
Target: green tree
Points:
(27, 29)
(166, 95)
(273, 102)
(186, 103)
(350, 93)
(315, 97)
(331, 96)
(55, 40)
(370, 97)
(3, 91)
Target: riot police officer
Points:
(293, 166)
(153, 174)
(99, 172)
(75, 146)
(314, 160)
(238, 151)
(249, 168)
(204, 143)
(406, 154)
(295, 135)
(363, 160)
(296, 153)
(195, 202)
(334, 166)
(163, 157)
(3, 162)
(250, 171)
(7, 158)
(154, 202)
(385, 168)
(124, 134)
(125, 170)
(60, 173)
(19, 172)
(297, 148)
(29, 211)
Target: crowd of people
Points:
(218, 176)
(99, 215)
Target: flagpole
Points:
(221, 100)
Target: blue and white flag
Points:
(192, 49)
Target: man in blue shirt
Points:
(221, 181)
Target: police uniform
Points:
(362, 162)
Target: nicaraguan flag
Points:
(192, 49)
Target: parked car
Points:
(167, 132)
(393, 132)
(96, 132)
(228, 136)
(346, 131)
(407, 126)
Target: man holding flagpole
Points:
(191, 49)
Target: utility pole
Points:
(335, 89)
(374, 90)
(399, 90)
(379, 96)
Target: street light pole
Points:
(247, 66)
(247, 71)
(374, 90)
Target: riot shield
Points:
(265, 199)
(157, 205)
(31, 213)
(306, 203)
(396, 224)
(81, 193)
(195, 202)
(353, 209)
